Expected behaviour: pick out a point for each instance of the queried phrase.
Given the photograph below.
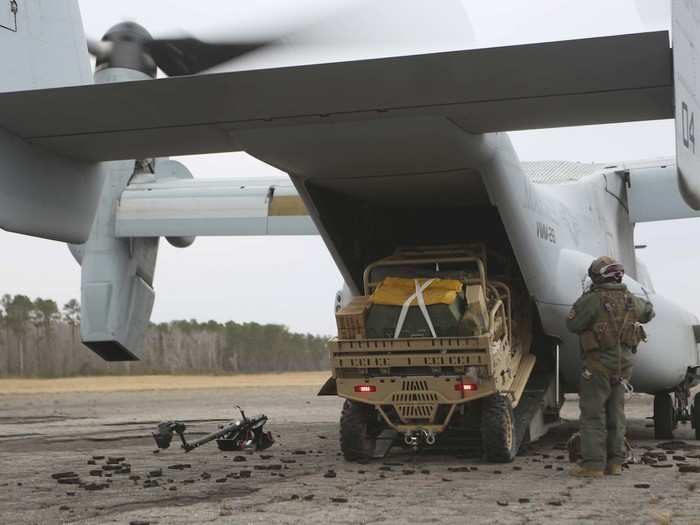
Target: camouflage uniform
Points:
(607, 319)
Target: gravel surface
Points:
(88, 458)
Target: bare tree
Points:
(18, 313)
(71, 316)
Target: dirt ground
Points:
(302, 478)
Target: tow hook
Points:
(411, 440)
(418, 438)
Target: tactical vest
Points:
(617, 323)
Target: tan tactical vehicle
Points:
(456, 380)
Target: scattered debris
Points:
(180, 466)
(676, 445)
(95, 486)
(60, 475)
(66, 481)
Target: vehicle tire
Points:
(696, 415)
(359, 428)
(664, 416)
(498, 429)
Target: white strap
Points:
(421, 304)
(423, 308)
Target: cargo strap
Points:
(418, 296)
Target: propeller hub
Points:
(129, 49)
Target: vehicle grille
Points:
(414, 397)
(408, 412)
(414, 385)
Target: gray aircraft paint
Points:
(43, 194)
(686, 62)
(423, 133)
(202, 207)
(117, 275)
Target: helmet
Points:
(606, 269)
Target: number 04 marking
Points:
(688, 122)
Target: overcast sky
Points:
(292, 281)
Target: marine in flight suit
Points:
(608, 319)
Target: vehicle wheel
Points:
(498, 429)
(696, 415)
(359, 428)
(664, 416)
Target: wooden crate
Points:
(351, 320)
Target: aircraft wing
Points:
(577, 82)
(212, 207)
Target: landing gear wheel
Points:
(359, 428)
(664, 416)
(696, 415)
(498, 429)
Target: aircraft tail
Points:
(42, 45)
(686, 59)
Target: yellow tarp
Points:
(394, 291)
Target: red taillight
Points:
(365, 389)
(466, 387)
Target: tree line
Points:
(39, 339)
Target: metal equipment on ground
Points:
(244, 434)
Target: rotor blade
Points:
(189, 56)
(99, 49)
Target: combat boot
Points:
(613, 470)
(585, 472)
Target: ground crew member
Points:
(607, 319)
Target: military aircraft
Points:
(381, 153)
